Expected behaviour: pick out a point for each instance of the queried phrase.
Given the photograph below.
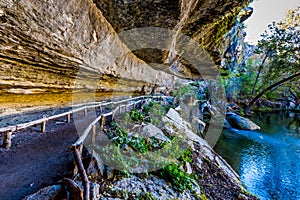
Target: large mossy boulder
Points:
(240, 122)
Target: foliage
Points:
(281, 46)
(182, 90)
(136, 115)
(186, 156)
(270, 71)
(119, 137)
(179, 179)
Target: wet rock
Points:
(226, 124)
(240, 122)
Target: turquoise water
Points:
(268, 161)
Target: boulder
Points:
(152, 131)
(240, 122)
(179, 125)
(174, 115)
(155, 187)
(226, 124)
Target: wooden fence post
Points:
(85, 111)
(43, 129)
(102, 121)
(93, 133)
(69, 118)
(7, 140)
(112, 116)
(100, 108)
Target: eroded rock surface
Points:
(46, 45)
(49, 44)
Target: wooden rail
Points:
(43, 121)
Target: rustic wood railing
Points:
(91, 128)
(10, 129)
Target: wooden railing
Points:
(91, 128)
(10, 129)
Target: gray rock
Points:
(175, 116)
(198, 125)
(94, 191)
(109, 172)
(46, 193)
(292, 105)
(156, 187)
(242, 197)
(240, 122)
(188, 168)
(169, 131)
(182, 129)
(152, 131)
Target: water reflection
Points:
(267, 161)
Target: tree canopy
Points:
(273, 70)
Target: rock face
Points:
(239, 122)
(47, 45)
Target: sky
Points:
(265, 12)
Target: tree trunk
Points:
(248, 108)
(259, 72)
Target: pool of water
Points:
(268, 161)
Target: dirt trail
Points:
(37, 159)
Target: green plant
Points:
(182, 90)
(145, 196)
(186, 156)
(179, 179)
(136, 115)
(139, 144)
